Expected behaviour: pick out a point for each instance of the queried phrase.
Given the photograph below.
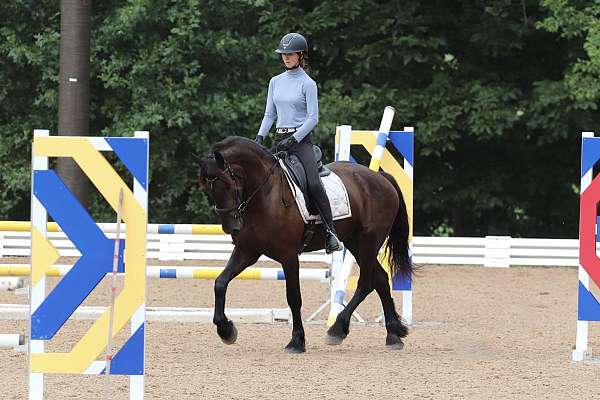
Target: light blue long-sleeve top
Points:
(292, 99)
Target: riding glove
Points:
(259, 139)
(287, 144)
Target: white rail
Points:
(492, 251)
(175, 314)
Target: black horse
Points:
(249, 191)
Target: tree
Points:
(578, 23)
(74, 86)
(496, 94)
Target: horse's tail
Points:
(397, 244)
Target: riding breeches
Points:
(305, 153)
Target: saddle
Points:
(298, 175)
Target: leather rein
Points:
(240, 205)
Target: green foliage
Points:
(28, 94)
(497, 91)
(578, 22)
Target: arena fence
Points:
(489, 251)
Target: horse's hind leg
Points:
(395, 329)
(365, 252)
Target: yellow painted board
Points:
(43, 256)
(132, 296)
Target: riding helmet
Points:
(292, 43)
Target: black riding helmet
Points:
(292, 43)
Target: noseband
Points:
(239, 204)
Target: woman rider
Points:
(292, 100)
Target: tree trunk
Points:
(74, 87)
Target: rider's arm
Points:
(270, 113)
(312, 111)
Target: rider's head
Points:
(293, 49)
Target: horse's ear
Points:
(220, 160)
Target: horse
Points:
(247, 187)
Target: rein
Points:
(240, 205)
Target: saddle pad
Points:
(336, 193)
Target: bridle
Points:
(239, 205)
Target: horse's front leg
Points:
(291, 267)
(238, 261)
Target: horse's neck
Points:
(256, 168)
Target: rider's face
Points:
(291, 60)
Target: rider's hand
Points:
(287, 144)
(259, 139)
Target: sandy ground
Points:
(478, 334)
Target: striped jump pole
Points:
(382, 137)
(162, 229)
(162, 314)
(177, 272)
(341, 263)
(8, 341)
(341, 268)
(8, 282)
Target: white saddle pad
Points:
(336, 192)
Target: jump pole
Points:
(8, 340)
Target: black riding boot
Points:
(332, 243)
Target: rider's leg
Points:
(304, 151)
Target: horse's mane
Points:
(234, 146)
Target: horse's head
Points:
(222, 175)
(223, 186)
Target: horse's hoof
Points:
(231, 336)
(296, 345)
(333, 340)
(294, 350)
(393, 342)
(337, 333)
